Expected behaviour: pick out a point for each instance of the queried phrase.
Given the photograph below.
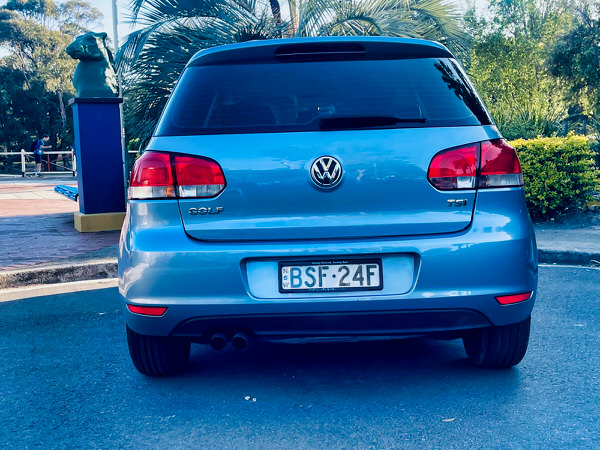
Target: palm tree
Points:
(152, 57)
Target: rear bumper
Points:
(319, 325)
(453, 281)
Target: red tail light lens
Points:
(488, 164)
(499, 165)
(455, 168)
(198, 177)
(152, 177)
(162, 175)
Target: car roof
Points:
(319, 49)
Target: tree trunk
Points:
(23, 68)
(295, 20)
(63, 112)
(275, 10)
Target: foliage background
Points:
(35, 74)
(508, 63)
(560, 173)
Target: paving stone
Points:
(36, 224)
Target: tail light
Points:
(152, 177)
(197, 177)
(164, 175)
(487, 164)
(455, 168)
(499, 165)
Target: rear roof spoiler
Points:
(319, 49)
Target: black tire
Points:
(158, 355)
(498, 347)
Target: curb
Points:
(107, 268)
(94, 270)
(569, 258)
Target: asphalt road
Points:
(66, 381)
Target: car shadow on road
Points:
(392, 366)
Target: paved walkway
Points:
(39, 243)
(40, 196)
(36, 223)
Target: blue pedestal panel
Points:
(99, 152)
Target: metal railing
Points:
(67, 163)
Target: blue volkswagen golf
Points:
(326, 188)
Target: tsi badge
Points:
(205, 211)
(457, 203)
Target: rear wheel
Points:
(158, 355)
(498, 347)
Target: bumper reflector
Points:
(147, 310)
(509, 299)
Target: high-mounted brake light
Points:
(157, 175)
(488, 164)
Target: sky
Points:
(105, 7)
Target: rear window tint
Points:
(254, 98)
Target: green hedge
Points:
(559, 172)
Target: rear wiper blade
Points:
(350, 122)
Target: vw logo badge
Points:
(326, 172)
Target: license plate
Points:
(335, 275)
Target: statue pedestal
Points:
(99, 153)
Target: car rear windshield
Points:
(311, 96)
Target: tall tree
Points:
(508, 64)
(152, 58)
(37, 72)
(576, 59)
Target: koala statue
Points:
(95, 74)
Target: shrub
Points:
(559, 172)
(527, 124)
(595, 144)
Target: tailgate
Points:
(270, 194)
